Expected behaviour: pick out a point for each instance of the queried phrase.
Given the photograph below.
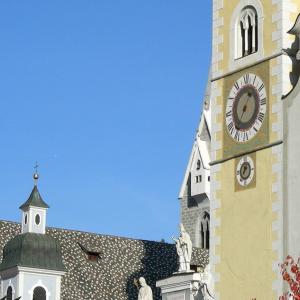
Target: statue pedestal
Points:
(179, 286)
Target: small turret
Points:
(34, 211)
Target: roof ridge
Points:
(94, 233)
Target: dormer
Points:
(34, 212)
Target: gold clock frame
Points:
(230, 146)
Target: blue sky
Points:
(106, 95)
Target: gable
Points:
(200, 151)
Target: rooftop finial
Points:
(36, 175)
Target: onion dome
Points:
(32, 250)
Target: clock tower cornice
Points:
(249, 66)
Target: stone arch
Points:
(39, 293)
(9, 293)
(205, 229)
(246, 31)
(247, 15)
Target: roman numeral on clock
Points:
(246, 78)
(230, 127)
(245, 136)
(237, 86)
(237, 136)
(261, 117)
(229, 114)
(261, 87)
(263, 101)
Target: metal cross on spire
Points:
(36, 167)
(36, 174)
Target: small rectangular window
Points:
(198, 178)
(208, 178)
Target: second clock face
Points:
(246, 108)
(245, 171)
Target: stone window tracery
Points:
(205, 231)
(246, 32)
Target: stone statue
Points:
(207, 284)
(145, 292)
(184, 250)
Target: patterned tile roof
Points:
(110, 275)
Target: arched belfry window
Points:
(39, 293)
(246, 33)
(9, 293)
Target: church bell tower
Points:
(254, 146)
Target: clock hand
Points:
(244, 108)
(241, 117)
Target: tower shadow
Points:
(159, 262)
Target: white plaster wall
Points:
(25, 226)
(202, 186)
(290, 73)
(31, 280)
(292, 170)
(13, 282)
(31, 226)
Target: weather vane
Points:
(36, 174)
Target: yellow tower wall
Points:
(247, 226)
(246, 254)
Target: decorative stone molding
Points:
(39, 284)
(218, 38)
(276, 113)
(236, 62)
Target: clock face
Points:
(245, 171)
(246, 108)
